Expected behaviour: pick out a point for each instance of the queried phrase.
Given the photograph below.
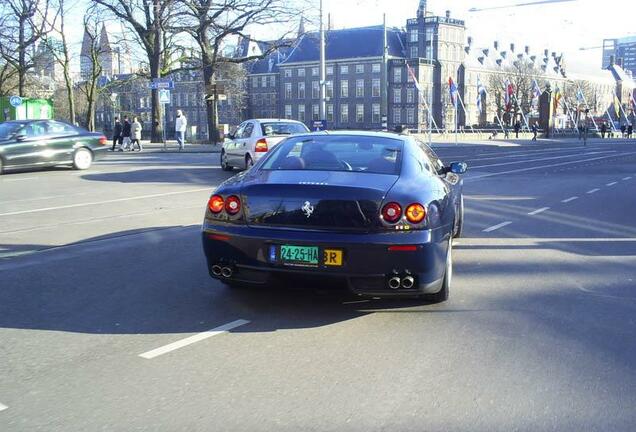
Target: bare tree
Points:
(212, 23)
(20, 33)
(93, 22)
(148, 20)
(520, 76)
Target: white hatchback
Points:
(254, 138)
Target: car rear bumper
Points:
(368, 265)
(100, 152)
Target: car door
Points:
(29, 146)
(452, 183)
(60, 142)
(244, 146)
(232, 146)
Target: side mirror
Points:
(20, 137)
(458, 167)
(231, 136)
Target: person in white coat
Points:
(180, 126)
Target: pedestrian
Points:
(603, 130)
(535, 131)
(630, 131)
(125, 133)
(135, 131)
(623, 129)
(180, 125)
(506, 132)
(117, 139)
(517, 129)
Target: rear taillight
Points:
(103, 140)
(233, 205)
(216, 204)
(261, 146)
(415, 213)
(392, 212)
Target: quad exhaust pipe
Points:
(408, 282)
(217, 270)
(224, 271)
(396, 281)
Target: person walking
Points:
(116, 134)
(125, 133)
(180, 125)
(135, 131)
(517, 129)
(623, 129)
(630, 131)
(603, 130)
(535, 131)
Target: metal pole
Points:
(430, 91)
(385, 78)
(323, 68)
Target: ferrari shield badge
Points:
(308, 209)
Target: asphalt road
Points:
(109, 321)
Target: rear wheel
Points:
(442, 295)
(1, 166)
(459, 226)
(249, 163)
(224, 164)
(82, 159)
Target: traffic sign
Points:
(162, 83)
(319, 125)
(15, 101)
(164, 96)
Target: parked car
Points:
(376, 211)
(43, 143)
(254, 138)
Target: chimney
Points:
(612, 60)
(512, 47)
(527, 49)
(447, 14)
(533, 58)
(504, 54)
(486, 52)
(470, 41)
(546, 52)
(553, 54)
(496, 45)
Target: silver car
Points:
(254, 138)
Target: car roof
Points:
(389, 135)
(265, 120)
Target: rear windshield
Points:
(283, 128)
(7, 130)
(367, 154)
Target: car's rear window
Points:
(367, 154)
(283, 128)
(8, 129)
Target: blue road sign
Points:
(164, 96)
(319, 125)
(162, 83)
(15, 101)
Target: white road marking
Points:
(3, 407)
(593, 191)
(627, 178)
(496, 227)
(193, 339)
(519, 241)
(570, 199)
(20, 179)
(611, 184)
(545, 166)
(541, 210)
(105, 202)
(357, 301)
(540, 159)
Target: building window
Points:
(410, 95)
(301, 113)
(288, 73)
(315, 71)
(315, 109)
(397, 116)
(344, 69)
(360, 88)
(329, 70)
(329, 85)
(414, 52)
(414, 33)
(397, 96)
(344, 114)
(330, 113)
(376, 68)
(410, 115)
(301, 72)
(360, 113)
(344, 89)
(301, 90)
(272, 80)
(254, 82)
(359, 69)
(397, 74)
(288, 112)
(375, 88)
(288, 91)
(315, 89)
(185, 99)
(375, 113)
(141, 102)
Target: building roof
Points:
(270, 63)
(348, 43)
(619, 74)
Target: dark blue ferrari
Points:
(374, 211)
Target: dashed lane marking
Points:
(3, 407)
(193, 339)
(541, 210)
(496, 227)
(627, 178)
(570, 199)
(593, 191)
(19, 179)
(611, 184)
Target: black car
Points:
(42, 143)
(376, 211)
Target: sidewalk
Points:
(173, 147)
(528, 142)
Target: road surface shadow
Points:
(197, 176)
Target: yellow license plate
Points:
(332, 257)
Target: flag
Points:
(536, 90)
(454, 93)
(557, 98)
(633, 101)
(509, 91)
(481, 91)
(413, 78)
(580, 97)
(617, 106)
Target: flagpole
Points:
(456, 116)
(525, 120)
(587, 106)
(465, 112)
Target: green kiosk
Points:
(17, 108)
